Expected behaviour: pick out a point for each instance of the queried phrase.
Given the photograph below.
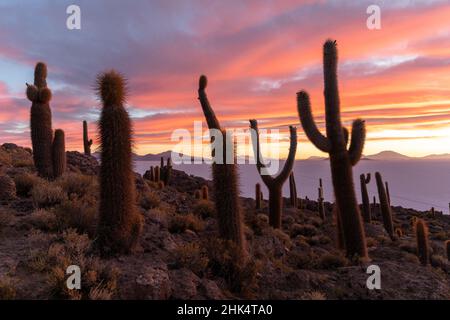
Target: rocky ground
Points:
(47, 226)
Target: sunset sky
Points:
(257, 54)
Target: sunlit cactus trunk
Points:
(87, 143)
(341, 158)
(423, 247)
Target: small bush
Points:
(77, 185)
(7, 188)
(149, 200)
(205, 209)
(180, 223)
(25, 183)
(307, 230)
(332, 261)
(77, 214)
(47, 194)
(7, 289)
(43, 219)
(192, 257)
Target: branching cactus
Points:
(274, 184)
(423, 247)
(292, 190)
(41, 121)
(59, 153)
(341, 158)
(364, 180)
(87, 143)
(257, 196)
(385, 207)
(225, 180)
(120, 223)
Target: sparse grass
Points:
(43, 219)
(25, 183)
(77, 185)
(332, 261)
(313, 295)
(7, 289)
(191, 256)
(47, 194)
(205, 209)
(149, 200)
(78, 214)
(307, 230)
(180, 223)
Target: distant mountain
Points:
(443, 156)
(387, 155)
(315, 158)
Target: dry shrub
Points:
(307, 230)
(7, 188)
(180, 223)
(205, 209)
(191, 256)
(25, 183)
(333, 261)
(5, 157)
(23, 163)
(78, 214)
(313, 295)
(226, 261)
(43, 219)
(7, 289)
(77, 185)
(47, 194)
(149, 200)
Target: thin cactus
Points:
(157, 174)
(41, 121)
(341, 158)
(258, 196)
(225, 180)
(205, 193)
(166, 171)
(274, 184)
(388, 195)
(320, 204)
(364, 180)
(58, 153)
(423, 248)
(87, 143)
(386, 211)
(292, 190)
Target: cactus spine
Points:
(225, 179)
(257, 196)
(41, 121)
(293, 190)
(385, 207)
(364, 180)
(120, 223)
(335, 144)
(87, 143)
(423, 251)
(274, 184)
(59, 153)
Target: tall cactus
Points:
(120, 223)
(166, 170)
(87, 143)
(385, 207)
(387, 192)
(41, 121)
(423, 248)
(335, 144)
(293, 190)
(225, 180)
(320, 204)
(364, 180)
(59, 153)
(274, 184)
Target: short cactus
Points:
(257, 196)
(423, 248)
(157, 174)
(165, 171)
(320, 203)
(386, 211)
(341, 158)
(197, 195)
(59, 153)
(120, 223)
(205, 193)
(225, 179)
(364, 180)
(41, 122)
(274, 184)
(87, 143)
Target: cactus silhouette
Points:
(41, 121)
(385, 207)
(364, 180)
(293, 190)
(387, 192)
(120, 223)
(339, 228)
(166, 171)
(225, 180)
(58, 153)
(335, 144)
(258, 196)
(274, 184)
(423, 251)
(197, 194)
(447, 249)
(205, 193)
(157, 174)
(87, 143)
(320, 204)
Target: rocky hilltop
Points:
(46, 226)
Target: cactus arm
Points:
(267, 179)
(210, 116)
(309, 125)
(357, 141)
(346, 135)
(289, 164)
(367, 178)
